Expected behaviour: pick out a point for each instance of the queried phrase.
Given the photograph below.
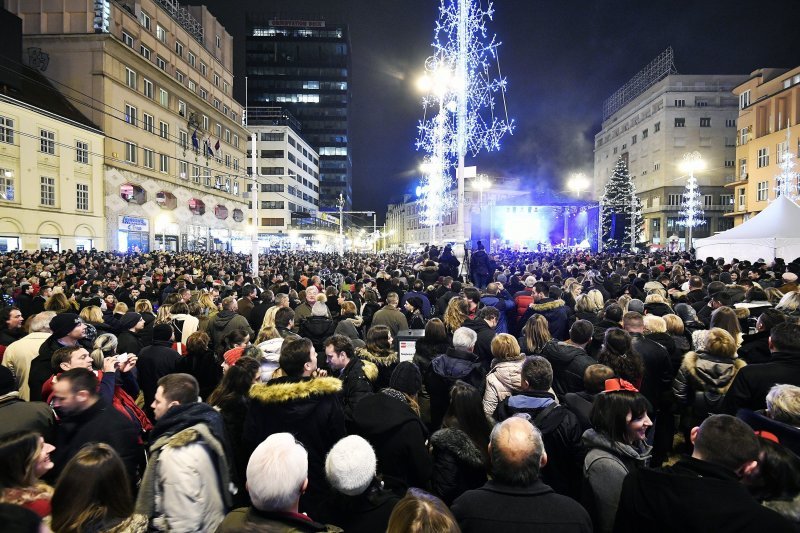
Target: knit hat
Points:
(7, 383)
(406, 378)
(62, 324)
(502, 278)
(636, 305)
(129, 320)
(233, 355)
(351, 465)
(319, 309)
(162, 332)
(530, 281)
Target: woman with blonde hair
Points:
(677, 331)
(269, 320)
(587, 306)
(420, 512)
(505, 376)
(208, 310)
(774, 295)
(570, 296)
(58, 303)
(790, 304)
(456, 313)
(623, 302)
(535, 335)
(144, 307)
(92, 317)
(164, 315)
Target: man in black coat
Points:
(340, 355)
(559, 426)
(752, 383)
(755, 347)
(155, 362)
(85, 418)
(515, 500)
(68, 330)
(554, 310)
(702, 492)
(484, 325)
(569, 358)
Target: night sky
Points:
(562, 59)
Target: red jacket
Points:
(523, 299)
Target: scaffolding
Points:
(658, 69)
(183, 17)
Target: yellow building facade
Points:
(51, 174)
(157, 78)
(769, 114)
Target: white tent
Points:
(774, 232)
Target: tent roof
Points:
(780, 219)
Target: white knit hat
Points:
(350, 466)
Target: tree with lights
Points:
(618, 196)
(460, 111)
(787, 181)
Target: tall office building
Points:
(303, 66)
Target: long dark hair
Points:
(618, 353)
(378, 339)
(610, 411)
(466, 413)
(435, 332)
(18, 453)
(92, 488)
(235, 383)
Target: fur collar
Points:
(547, 306)
(370, 370)
(387, 358)
(287, 391)
(691, 359)
(459, 444)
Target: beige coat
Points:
(18, 357)
(503, 379)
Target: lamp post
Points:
(691, 162)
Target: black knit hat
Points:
(162, 332)
(406, 378)
(63, 323)
(129, 320)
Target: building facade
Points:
(304, 67)
(157, 78)
(673, 116)
(769, 113)
(288, 174)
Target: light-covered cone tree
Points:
(618, 195)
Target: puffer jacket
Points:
(569, 364)
(386, 361)
(458, 464)
(349, 328)
(318, 328)
(504, 378)
(445, 371)
(703, 379)
(555, 312)
(604, 469)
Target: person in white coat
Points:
(19, 354)
(183, 323)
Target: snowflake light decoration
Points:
(787, 183)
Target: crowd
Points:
(562, 392)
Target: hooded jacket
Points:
(222, 325)
(429, 275)
(458, 464)
(385, 360)
(311, 410)
(788, 436)
(604, 469)
(703, 379)
(357, 378)
(502, 381)
(398, 436)
(503, 302)
(317, 329)
(271, 351)
(556, 314)
(444, 372)
(569, 363)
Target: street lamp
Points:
(691, 163)
(578, 183)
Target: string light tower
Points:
(464, 116)
(691, 207)
(787, 180)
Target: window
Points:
(82, 197)
(742, 169)
(192, 86)
(235, 163)
(7, 130)
(763, 158)
(701, 103)
(644, 134)
(161, 33)
(217, 104)
(47, 187)
(225, 87)
(216, 79)
(192, 59)
(225, 110)
(205, 122)
(674, 199)
(127, 39)
(236, 140)
(633, 140)
(730, 142)
(680, 103)
(7, 185)
(680, 122)
(148, 88)
(219, 42)
(730, 122)
(705, 122)
(656, 127)
(130, 114)
(183, 169)
(291, 141)
(730, 163)
(130, 152)
(743, 136)
(725, 199)
(272, 187)
(656, 166)
(163, 163)
(272, 171)
(130, 78)
(163, 97)
(203, 69)
(195, 173)
(148, 123)
(269, 204)
(47, 142)
(272, 222)
(144, 19)
(742, 198)
(179, 48)
(761, 191)
(744, 99)
(271, 136)
(146, 52)
(148, 158)
(179, 76)
(708, 200)
(82, 152)
(161, 62)
(183, 137)
(218, 130)
(203, 93)
(163, 129)
(182, 108)
(272, 154)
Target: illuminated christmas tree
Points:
(618, 201)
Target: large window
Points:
(130, 114)
(744, 99)
(163, 97)
(47, 191)
(82, 152)
(148, 88)
(133, 194)
(163, 129)
(47, 141)
(148, 158)
(148, 123)
(130, 78)
(161, 33)
(7, 130)
(679, 123)
(761, 191)
(674, 199)
(163, 163)
(82, 197)
(130, 152)
(763, 158)
(705, 122)
(7, 186)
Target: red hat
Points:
(619, 384)
(233, 355)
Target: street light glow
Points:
(692, 162)
(578, 183)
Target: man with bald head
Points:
(515, 499)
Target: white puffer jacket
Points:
(503, 379)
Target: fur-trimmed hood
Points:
(459, 444)
(285, 389)
(370, 370)
(547, 306)
(383, 358)
(711, 373)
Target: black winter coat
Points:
(483, 346)
(128, 342)
(398, 437)
(41, 366)
(355, 384)
(366, 513)
(580, 403)
(755, 348)
(317, 329)
(658, 372)
(155, 362)
(445, 371)
(569, 363)
(556, 313)
(752, 383)
(308, 408)
(386, 361)
(427, 352)
(205, 368)
(458, 464)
